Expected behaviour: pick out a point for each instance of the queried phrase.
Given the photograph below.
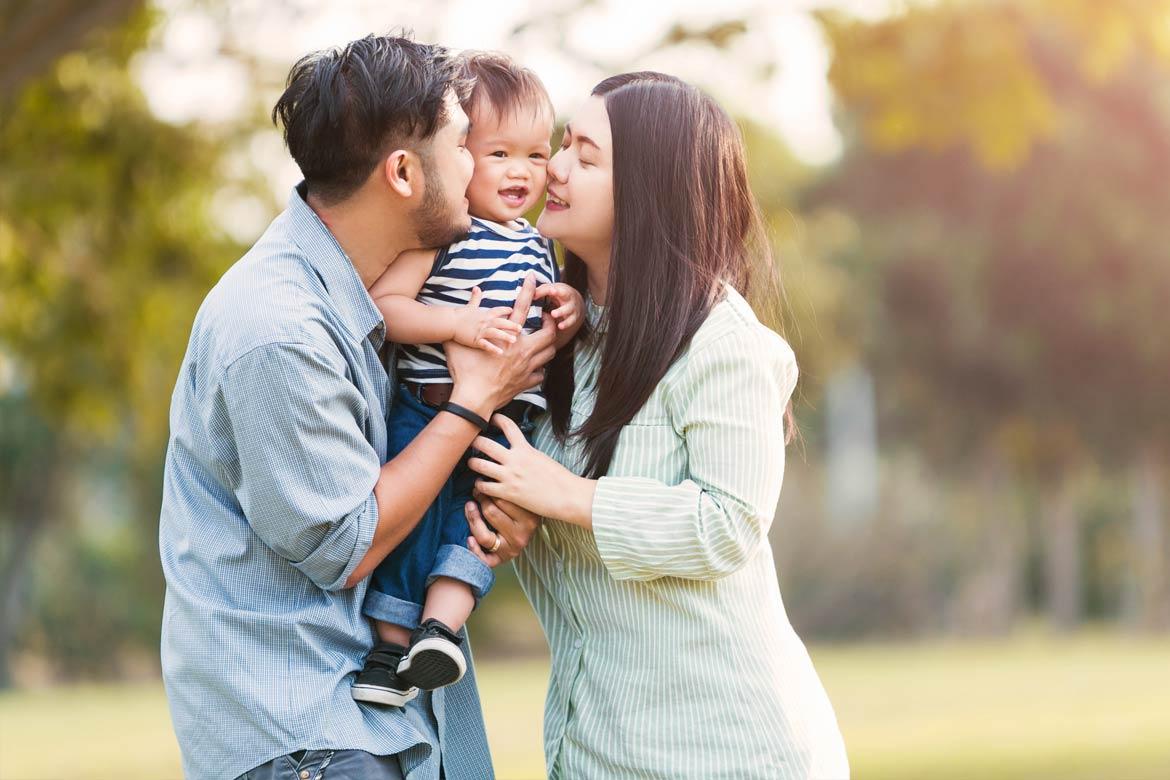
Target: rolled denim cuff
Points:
(389, 609)
(459, 563)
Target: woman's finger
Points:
(492, 448)
(491, 489)
(488, 468)
(511, 430)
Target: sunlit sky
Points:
(187, 77)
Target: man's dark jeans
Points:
(328, 765)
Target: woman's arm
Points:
(729, 405)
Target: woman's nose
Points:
(558, 167)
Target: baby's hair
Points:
(505, 85)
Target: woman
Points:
(658, 467)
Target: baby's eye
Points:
(537, 156)
(498, 154)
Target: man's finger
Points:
(524, 298)
(490, 559)
(479, 530)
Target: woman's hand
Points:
(527, 477)
(514, 529)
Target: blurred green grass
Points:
(1034, 707)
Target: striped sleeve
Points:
(729, 407)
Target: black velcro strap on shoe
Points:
(386, 654)
(431, 625)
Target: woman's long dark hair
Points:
(685, 222)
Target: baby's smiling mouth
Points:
(514, 196)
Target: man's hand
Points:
(514, 529)
(486, 381)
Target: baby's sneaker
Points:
(435, 658)
(379, 682)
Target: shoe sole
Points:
(375, 695)
(432, 663)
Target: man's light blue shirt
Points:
(278, 434)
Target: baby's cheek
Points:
(539, 178)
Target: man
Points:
(278, 502)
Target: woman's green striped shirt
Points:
(672, 655)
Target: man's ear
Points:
(403, 172)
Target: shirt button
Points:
(578, 644)
(304, 774)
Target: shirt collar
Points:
(335, 269)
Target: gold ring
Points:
(496, 546)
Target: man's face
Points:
(442, 217)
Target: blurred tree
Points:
(107, 246)
(34, 34)
(1009, 173)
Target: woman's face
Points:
(579, 208)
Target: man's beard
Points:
(436, 222)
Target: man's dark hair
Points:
(344, 109)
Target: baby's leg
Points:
(397, 635)
(449, 601)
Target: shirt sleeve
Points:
(306, 472)
(729, 407)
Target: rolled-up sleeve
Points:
(729, 407)
(306, 472)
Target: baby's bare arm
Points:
(407, 320)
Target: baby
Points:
(463, 293)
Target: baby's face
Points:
(510, 154)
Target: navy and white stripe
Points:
(495, 258)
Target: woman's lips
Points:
(553, 203)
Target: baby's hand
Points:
(487, 329)
(569, 306)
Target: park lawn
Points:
(1032, 708)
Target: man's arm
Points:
(484, 381)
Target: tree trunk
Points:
(32, 505)
(1148, 595)
(1062, 553)
(988, 602)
